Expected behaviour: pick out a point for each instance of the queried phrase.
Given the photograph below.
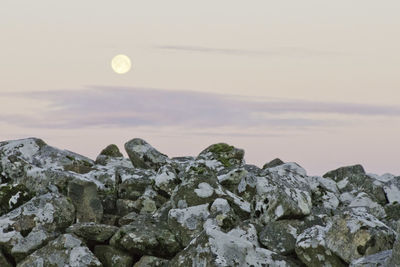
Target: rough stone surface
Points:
(58, 208)
(111, 257)
(86, 201)
(66, 250)
(93, 231)
(143, 155)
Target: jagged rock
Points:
(212, 210)
(33, 241)
(143, 155)
(127, 219)
(355, 234)
(12, 196)
(198, 187)
(166, 180)
(134, 183)
(3, 261)
(151, 261)
(273, 163)
(239, 247)
(111, 151)
(380, 259)
(363, 200)
(146, 236)
(395, 258)
(31, 225)
(354, 179)
(312, 250)
(392, 190)
(93, 231)
(188, 223)
(112, 257)
(66, 250)
(282, 193)
(86, 201)
(221, 155)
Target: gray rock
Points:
(66, 250)
(224, 154)
(353, 179)
(273, 163)
(395, 258)
(355, 234)
(146, 236)
(239, 247)
(112, 257)
(111, 151)
(166, 180)
(380, 259)
(312, 249)
(392, 190)
(12, 196)
(93, 231)
(86, 201)
(3, 261)
(151, 261)
(283, 192)
(143, 155)
(34, 223)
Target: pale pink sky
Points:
(314, 82)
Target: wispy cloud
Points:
(136, 107)
(278, 51)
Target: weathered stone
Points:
(223, 153)
(273, 163)
(93, 231)
(3, 261)
(86, 201)
(151, 261)
(312, 250)
(392, 190)
(355, 234)
(144, 155)
(66, 250)
(239, 247)
(354, 179)
(112, 257)
(33, 224)
(166, 180)
(282, 193)
(12, 196)
(146, 236)
(188, 223)
(380, 259)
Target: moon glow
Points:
(121, 64)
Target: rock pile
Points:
(58, 208)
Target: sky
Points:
(314, 82)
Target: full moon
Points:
(121, 64)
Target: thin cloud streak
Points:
(279, 51)
(136, 107)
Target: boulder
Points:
(146, 236)
(151, 261)
(380, 259)
(84, 196)
(273, 163)
(143, 155)
(238, 247)
(111, 151)
(33, 224)
(312, 250)
(221, 155)
(111, 257)
(92, 231)
(12, 196)
(282, 193)
(356, 233)
(66, 250)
